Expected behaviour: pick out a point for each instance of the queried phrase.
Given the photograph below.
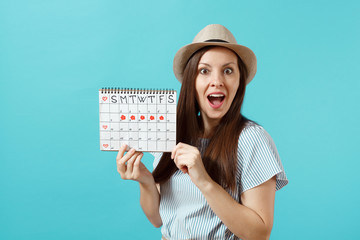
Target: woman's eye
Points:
(228, 71)
(204, 71)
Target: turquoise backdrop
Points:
(55, 183)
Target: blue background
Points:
(55, 183)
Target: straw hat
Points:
(214, 35)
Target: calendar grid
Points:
(142, 119)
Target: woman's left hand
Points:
(188, 159)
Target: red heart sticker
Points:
(105, 126)
(105, 145)
(104, 98)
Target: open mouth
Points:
(216, 99)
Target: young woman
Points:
(219, 181)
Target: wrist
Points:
(148, 183)
(206, 185)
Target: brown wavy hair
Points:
(220, 156)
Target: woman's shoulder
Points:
(252, 128)
(252, 124)
(254, 135)
(258, 158)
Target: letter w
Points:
(141, 98)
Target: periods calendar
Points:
(142, 119)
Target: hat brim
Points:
(182, 56)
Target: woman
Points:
(219, 181)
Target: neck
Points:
(209, 126)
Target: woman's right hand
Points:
(130, 166)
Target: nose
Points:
(217, 80)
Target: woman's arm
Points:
(130, 167)
(150, 201)
(252, 219)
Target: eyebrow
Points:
(226, 64)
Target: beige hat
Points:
(214, 35)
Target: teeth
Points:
(216, 95)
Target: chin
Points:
(215, 117)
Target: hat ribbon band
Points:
(216, 40)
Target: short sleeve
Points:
(258, 159)
(157, 157)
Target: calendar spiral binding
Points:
(137, 91)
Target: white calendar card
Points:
(142, 119)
